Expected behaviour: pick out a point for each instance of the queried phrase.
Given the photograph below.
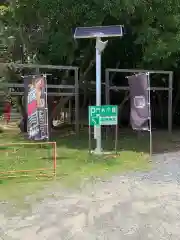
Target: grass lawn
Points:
(73, 161)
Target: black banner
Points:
(139, 98)
(36, 107)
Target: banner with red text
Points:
(36, 107)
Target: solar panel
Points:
(99, 31)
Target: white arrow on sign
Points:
(94, 121)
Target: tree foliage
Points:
(41, 31)
(45, 28)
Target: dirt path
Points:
(137, 206)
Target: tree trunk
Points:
(121, 106)
(83, 78)
(59, 107)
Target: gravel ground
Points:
(134, 206)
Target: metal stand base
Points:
(97, 152)
(101, 153)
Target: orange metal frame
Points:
(6, 174)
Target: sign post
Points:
(97, 128)
(98, 32)
(103, 116)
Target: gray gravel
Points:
(135, 206)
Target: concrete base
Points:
(101, 153)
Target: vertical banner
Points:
(36, 107)
(139, 101)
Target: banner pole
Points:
(89, 139)
(46, 106)
(97, 129)
(150, 123)
(116, 138)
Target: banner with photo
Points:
(36, 107)
(139, 101)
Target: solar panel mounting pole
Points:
(100, 46)
(98, 32)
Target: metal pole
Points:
(107, 95)
(116, 138)
(98, 96)
(149, 105)
(70, 112)
(107, 86)
(89, 139)
(46, 108)
(37, 70)
(76, 101)
(116, 133)
(170, 92)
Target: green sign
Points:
(103, 115)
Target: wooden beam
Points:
(20, 65)
(151, 88)
(49, 94)
(60, 94)
(137, 71)
(21, 85)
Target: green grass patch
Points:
(74, 163)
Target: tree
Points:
(42, 32)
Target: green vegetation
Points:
(73, 162)
(41, 31)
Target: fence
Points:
(169, 89)
(28, 159)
